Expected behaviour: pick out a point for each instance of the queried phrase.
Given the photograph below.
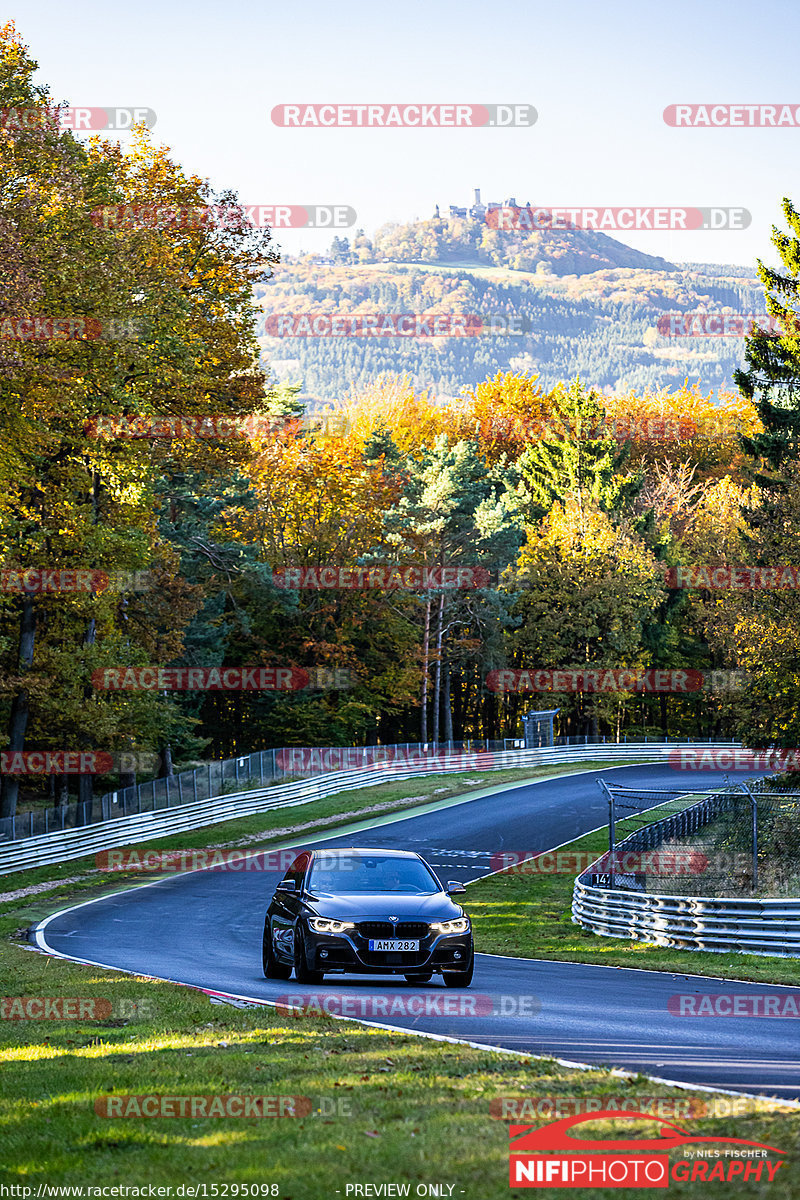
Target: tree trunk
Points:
(166, 771)
(18, 719)
(457, 711)
(86, 782)
(437, 685)
(423, 728)
(448, 712)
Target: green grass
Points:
(386, 1107)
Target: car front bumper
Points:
(341, 952)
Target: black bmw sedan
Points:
(366, 912)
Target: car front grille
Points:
(375, 929)
(412, 929)
(385, 929)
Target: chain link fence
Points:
(260, 769)
(741, 840)
(245, 772)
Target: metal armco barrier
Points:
(140, 827)
(718, 924)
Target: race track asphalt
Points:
(204, 929)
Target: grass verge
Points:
(384, 1107)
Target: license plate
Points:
(392, 944)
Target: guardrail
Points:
(718, 924)
(62, 846)
(257, 769)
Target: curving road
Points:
(204, 929)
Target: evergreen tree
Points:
(574, 458)
(771, 379)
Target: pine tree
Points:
(575, 458)
(771, 379)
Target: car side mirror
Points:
(287, 885)
(454, 888)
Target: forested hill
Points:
(469, 242)
(588, 305)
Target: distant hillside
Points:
(589, 305)
(467, 242)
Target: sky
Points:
(598, 74)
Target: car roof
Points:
(367, 852)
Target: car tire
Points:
(460, 979)
(302, 971)
(272, 968)
(423, 977)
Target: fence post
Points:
(611, 829)
(754, 816)
(209, 780)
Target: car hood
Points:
(381, 905)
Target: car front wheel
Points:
(272, 968)
(302, 971)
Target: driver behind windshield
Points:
(372, 875)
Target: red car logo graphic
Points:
(555, 1136)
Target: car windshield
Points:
(354, 873)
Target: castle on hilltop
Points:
(478, 210)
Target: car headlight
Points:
(328, 925)
(459, 925)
